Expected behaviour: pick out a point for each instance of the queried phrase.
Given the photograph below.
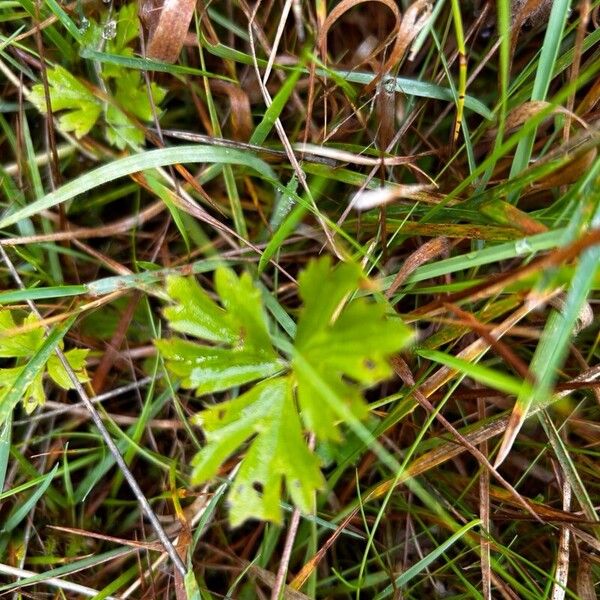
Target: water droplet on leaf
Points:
(389, 85)
(110, 30)
(84, 25)
(523, 246)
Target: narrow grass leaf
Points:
(5, 439)
(140, 162)
(490, 377)
(557, 334)
(72, 567)
(23, 509)
(64, 18)
(414, 87)
(41, 293)
(421, 565)
(543, 77)
(191, 586)
(272, 113)
(145, 64)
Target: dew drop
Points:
(389, 85)
(84, 24)
(523, 246)
(110, 30)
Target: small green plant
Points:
(22, 347)
(81, 109)
(340, 347)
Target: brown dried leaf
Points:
(585, 579)
(344, 7)
(423, 254)
(167, 22)
(569, 173)
(527, 110)
(590, 100)
(241, 112)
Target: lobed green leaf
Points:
(340, 347)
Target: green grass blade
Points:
(543, 77)
(558, 332)
(145, 64)
(73, 567)
(41, 293)
(5, 439)
(495, 379)
(22, 509)
(140, 162)
(259, 135)
(421, 565)
(414, 87)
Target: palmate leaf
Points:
(79, 109)
(24, 346)
(278, 451)
(352, 347)
(346, 343)
(240, 325)
(130, 95)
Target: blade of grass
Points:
(55, 582)
(146, 64)
(21, 510)
(490, 377)
(462, 65)
(421, 565)
(5, 439)
(558, 332)
(41, 293)
(140, 162)
(259, 135)
(543, 77)
(228, 176)
(73, 567)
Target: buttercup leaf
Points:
(79, 109)
(67, 93)
(24, 346)
(239, 325)
(278, 452)
(342, 345)
(14, 343)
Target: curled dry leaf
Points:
(384, 195)
(344, 7)
(426, 252)
(414, 19)
(570, 172)
(404, 31)
(590, 100)
(527, 11)
(241, 112)
(533, 11)
(167, 23)
(520, 115)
